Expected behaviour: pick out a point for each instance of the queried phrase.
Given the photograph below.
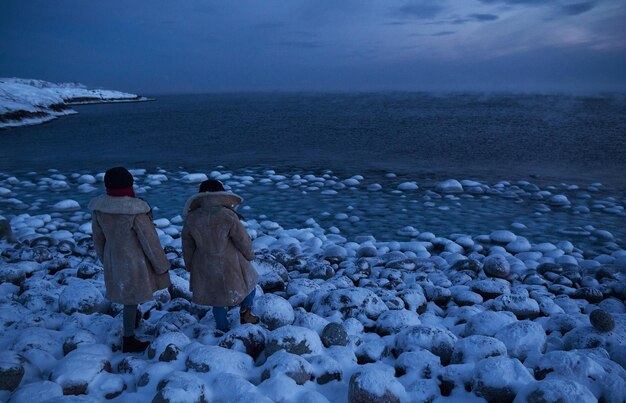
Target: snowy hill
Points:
(28, 102)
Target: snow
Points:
(408, 316)
(41, 98)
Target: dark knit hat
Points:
(118, 178)
(211, 185)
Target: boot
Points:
(246, 316)
(131, 345)
(137, 318)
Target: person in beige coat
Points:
(135, 265)
(217, 251)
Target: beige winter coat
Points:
(217, 250)
(126, 242)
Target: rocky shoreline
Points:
(493, 316)
(26, 102)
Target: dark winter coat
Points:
(217, 250)
(126, 242)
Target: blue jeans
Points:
(219, 312)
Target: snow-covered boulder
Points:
(375, 383)
(554, 390)
(11, 370)
(216, 359)
(248, 338)
(438, 341)
(498, 379)
(351, 302)
(488, 323)
(79, 368)
(274, 311)
(81, 296)
(291, 365)
(325, 369)
(37, 392)
(418, 364)
(449, 186)
(475, 348)
(523, 339)
(179, 387)
(293, 339)
(522, 306)
(391, 322)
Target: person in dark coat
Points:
(217, 251)
(125, 239)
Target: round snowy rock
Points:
(498, 379)
(502, 236)
(67, 205)
(449, 186)
(274, 311)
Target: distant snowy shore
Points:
(26, 102)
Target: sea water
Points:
(510, 143)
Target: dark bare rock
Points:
(334, 334)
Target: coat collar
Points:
(119, 205)
(225, 199)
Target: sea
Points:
(564, 144)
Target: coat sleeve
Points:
(241, 239)
(98, 236)
(189, 246)
(150, 243)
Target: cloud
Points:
(578, 8)
(565, 9)
(512, 2)
(483, 17)
(302, 44)
(420, 10)
(444, 33)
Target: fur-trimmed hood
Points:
(226, 199)
(119, 205)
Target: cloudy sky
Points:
(168, 46)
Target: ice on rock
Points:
(502, 236)
(449, 186)
(519, 245)
(194, 178)
(408, 186)
(499, 379)
(88, 179)
(67, 205)
(559, 200)
(418, 364)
